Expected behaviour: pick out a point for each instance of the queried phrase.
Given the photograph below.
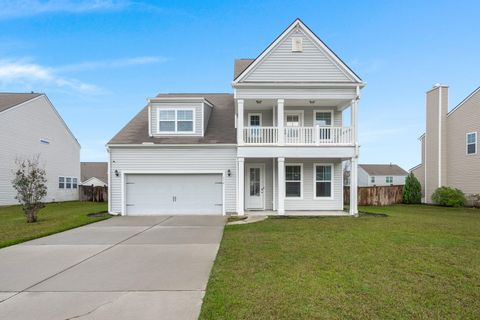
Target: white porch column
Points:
(240, 116)
(281, 186)
(280, 118)
(354, 187)
(354, 121)
(241, 186)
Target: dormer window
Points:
(176, 120)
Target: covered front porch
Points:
(292, 186)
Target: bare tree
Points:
(31, 184)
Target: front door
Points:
(255, 187)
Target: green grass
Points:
(419, 262)
(55, 217)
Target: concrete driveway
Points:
(121, 268)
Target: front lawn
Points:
(55, 217)
(419, 262)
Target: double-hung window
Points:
(175, 121)
(323, 180)
(68, 183)
(389, 179)
(323, 120)
(74, 183)
(372, 179)
(293, 181)
(472, 143)
(61, 182)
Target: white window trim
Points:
(386, 179)
(372, 179)
(299, 113)
(466, 143)
(64, 183)
(254, 114)
(322, 111)
(301, 181)
(176, 132)
(71, 182)
(75, 183)
(315, 181)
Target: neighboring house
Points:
(380, 175)
(449, 147)
(276, 144)
(94, 173)
(30, 126)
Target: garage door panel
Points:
(171, 194)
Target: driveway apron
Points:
(121, 268)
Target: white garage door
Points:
(173, 194)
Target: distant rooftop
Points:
(383, 169)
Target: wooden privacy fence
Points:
(375, 196)
(95, 194)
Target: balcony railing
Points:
(298, 136)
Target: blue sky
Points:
(99, 60)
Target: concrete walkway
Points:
(121, 268)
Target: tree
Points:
(412, 191)
(30, 182)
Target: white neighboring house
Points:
(29, 126)
(94, 173)
(276, 145)
(380, 175)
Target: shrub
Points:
(448, 197)
(412, 191)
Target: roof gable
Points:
(315, 63)
(383, 169)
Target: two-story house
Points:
(276, 145)
(30, 126)
(449, 146)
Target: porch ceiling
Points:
(266, 104)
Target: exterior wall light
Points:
(229, 173)
(117, 173)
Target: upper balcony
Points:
(304, 136)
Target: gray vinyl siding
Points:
(198, 116)
(308, 202)
(419, 173)
(22, 127)
(174, 159)
(463, 171)
(207, 111)
(281, 64)
(267, 117)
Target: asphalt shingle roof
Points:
(383, 169)
(220, 129)
(8, 100)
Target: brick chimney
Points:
(435, 139)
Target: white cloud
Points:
(113, 63)
(28, 75)
(22, 8)
(22, 73)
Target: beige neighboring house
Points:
(449, 146)
(94, 173)
(30, 126)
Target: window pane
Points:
(292, 189)
(254, 181)
(167, 114)
(324, 189)
(167, 126)
(61, 182)
(68, 183)
(293, 173)
(323, 119)
(184, 115)
(74, 183)
(254, 120)
(324, 173)
(471, 148)
(185, 126)
(471, 137)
